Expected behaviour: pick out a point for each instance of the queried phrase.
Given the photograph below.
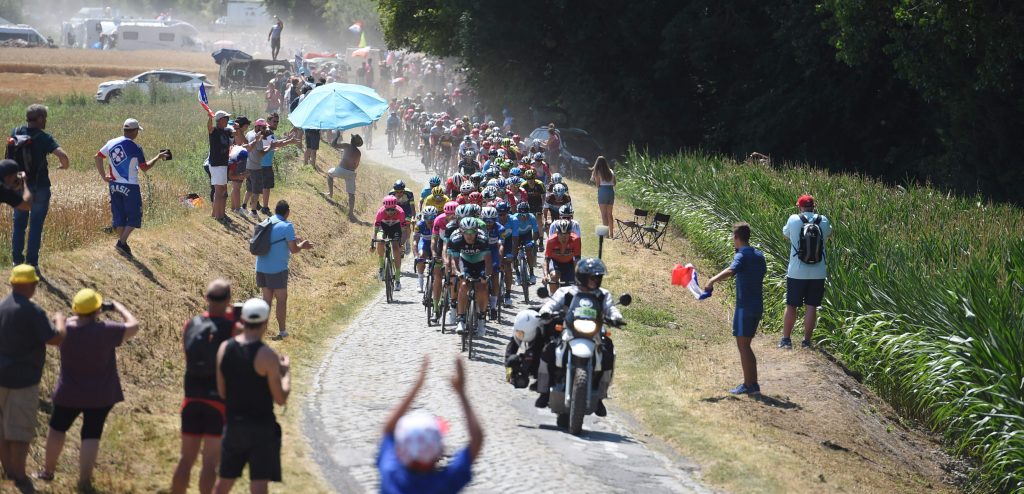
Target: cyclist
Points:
(524, 230)
(504, 219)
(423, 238)
(436, 198)
(566, 213)
(446, 144)
(475, 198)
(434, 182)
(450, 229)
(515, 195)
(438, 248)
(388, 225)
(543, 170)
(534, 189)
(473, 265)
(556, 178)
(468, 164)
(453, 185)
(490, 194)
(477, 180)
(406, 201)
(465, 190)
(468, 145)
(392, 131)
(561, 252)
(496, 235)
(490, 162)
(558, 197)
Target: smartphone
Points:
(237, 308)
(107, 306)
(169, 155)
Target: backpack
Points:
(811, 246)
(19, 149)
(259, 244)
(201, 345)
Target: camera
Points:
(107, 306)
(169, 155)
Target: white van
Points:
(22, 32)
(154, 35)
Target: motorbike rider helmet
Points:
(522, 207)
(560, 189)
(390, 202)
(526, 325)
(435, 181)
(429, 213)
(566, 211)
(449, 207)
(466, 187)
(589, 268)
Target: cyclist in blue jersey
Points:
(422, 239)
(496, 235)
(524, 230)
(426, 192)
(472, 261)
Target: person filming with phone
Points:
(13, 190)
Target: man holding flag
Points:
(220, 145)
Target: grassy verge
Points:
(925, 294)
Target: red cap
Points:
(805, 201)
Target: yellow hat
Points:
(23, 274)
(86, 301)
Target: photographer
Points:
(13, 191)
(88, 384)
(520, 366)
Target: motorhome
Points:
(131, 34)
(22, 33)
(244, 13)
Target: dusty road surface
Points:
(374, 362)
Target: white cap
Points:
(418, 442)
(132, 124)
(221, 114)
(255, 311)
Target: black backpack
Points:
(811, 246)
(19, 149)
(259, 244)
(201, 345)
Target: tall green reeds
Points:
(925, 295)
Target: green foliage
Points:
(925, 295)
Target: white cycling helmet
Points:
(556, 178)
(466, 187)
(526, 325)
(489, 213)
(418, 440)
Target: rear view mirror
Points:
(543, 292)
(625, 299)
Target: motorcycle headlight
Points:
(584, 327)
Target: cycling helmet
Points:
(449, 207)
(390, 202)
(461, 210)
(467, 139)
(429, 213)
(560, 189)
(501, 152)
(399, 185)
(437, 191)
(556, 178)
(515, 181)
(460, 199)
(505, 165)
(456, 180)
(473, 210)
(563, 226)
(589, 267)
(522, 208)
(469, 154)
(566, 210)
(530, 174)
(516, 138)
(492, 173)
(435, 181)
(492, 153)
(538, 156)
(471, 226)
(489, 214)
(466, 187)
(516, 172)
(476, 198)
(502, 183)
(476, 177)
(502, 207)
(490, 193)
(492, 183)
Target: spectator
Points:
(312, 146)
(350, 156)
(13, 190)
(251, 377)
(272, 268)
(805, 280)
(554, 148)
(273, 97)
(24, 333)
(413, 444)
(220, 146)
(238, 158)
(270, 145)
(274, 37)
(254, 167)
(37, 179)
(749, 268)
(603, 176)
(202, 412)
(88, 384)
(126, 159)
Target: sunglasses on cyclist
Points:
(469, 231)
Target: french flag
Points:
(203, 100)
(687, 276)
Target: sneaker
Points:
(451, 317)
(461, 327)
(508, 300)
(742, 389)
(265, 211)
(123, 248)
(280, 336)
(398, 286)
(600, 411)
(533, 280)
(542, 400)
(785, 343)
(255, 214)
(805, 344)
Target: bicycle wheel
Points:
(524, 277)
(467, 336)
(428, 301)
(389, 280)
(445, 301)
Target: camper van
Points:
(22, 32)
(154, 35)
(245, 13)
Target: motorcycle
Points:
(579, 354)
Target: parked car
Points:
(250, 74)
(15, 34)
(579, 150)
(175, 79)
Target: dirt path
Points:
(373, 363)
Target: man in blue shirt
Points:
(412, 444)
(272, 268)
(805, 283)
(749, 268)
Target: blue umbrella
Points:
(338, 106)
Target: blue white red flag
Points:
(687, 275)
(203, 100)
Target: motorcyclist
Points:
(589, 274)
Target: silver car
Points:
(175, 79)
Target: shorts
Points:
(275, 43)
(423, 247)
(258, 445)
(312, 139)
(18, 407)
(268, 177)
(745, 322)
(566, 270)
(203, 418)
(254, 182)
(125, 205)
(218, 175)
(391, 232)
(272, 281)
(93, 420)
(606, 195)
(474, 269)
(349, 176)
(804, 292)
(526, 238)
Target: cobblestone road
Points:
(374, 362)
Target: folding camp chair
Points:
(650, 235)
(630, 229)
